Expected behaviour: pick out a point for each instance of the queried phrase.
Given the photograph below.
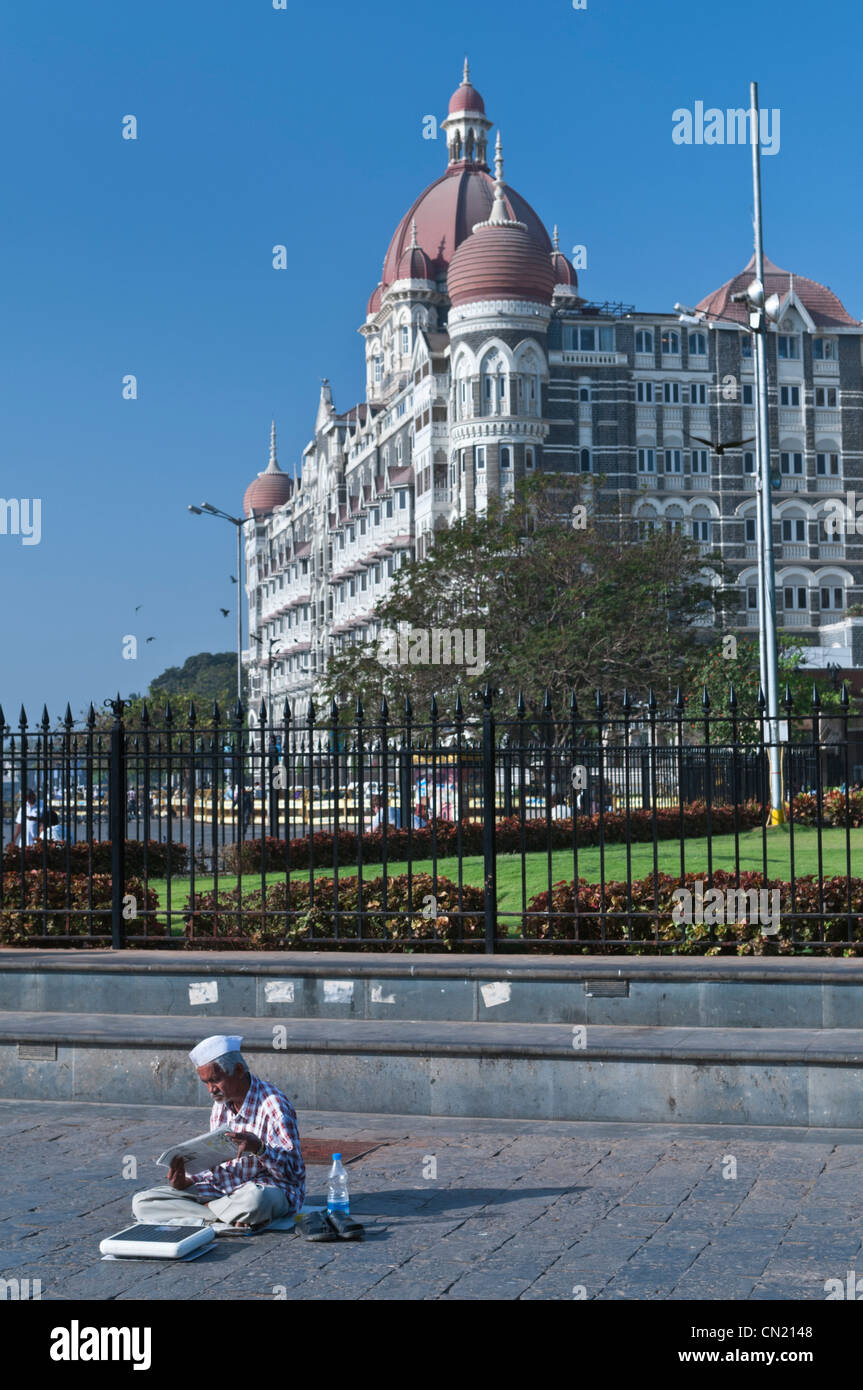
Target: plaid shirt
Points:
(268, 1114)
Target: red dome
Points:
(446, 213)
(563, 270)
(374, 300)
(414, 264)
(267, 492)
(826, 310)
(466, 98)
(500, 261)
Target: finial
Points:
(273, 459)
(414, 242)
(498, 212)
(466, 78)
(555, 240)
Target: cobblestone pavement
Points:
(455, 1209)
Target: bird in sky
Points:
(151, 639)
(720, 449)
(232, 579)
(138, 609)
(224, 612)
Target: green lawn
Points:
(536, 875)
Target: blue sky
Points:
(304, 127)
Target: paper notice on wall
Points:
(204, 992)
(279, 991)
(498, 992)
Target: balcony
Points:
(831, 550)
(673, 417)
(827, 420)
(791, 417)
(699, 417)
(794, 550)
(792, 618)
(832, 485)
(645, 417)
(829, 368)
(701, 482)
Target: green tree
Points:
(567, 599)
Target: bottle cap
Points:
(336, 1155)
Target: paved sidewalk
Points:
(466, 1209)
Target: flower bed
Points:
(85, 857)
(645, 915)
(284, 917)
(48, 905)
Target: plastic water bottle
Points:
(337, 1187)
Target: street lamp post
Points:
(239, 523)
(761, 310)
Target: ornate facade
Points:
(484, 362)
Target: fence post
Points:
(489, 814)
(117, 822)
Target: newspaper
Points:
(203, 1152)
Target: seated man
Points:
(266, 1180)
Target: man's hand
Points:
(177, 1175)
(246, 1142)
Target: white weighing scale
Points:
(158, 1242)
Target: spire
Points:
(325, 406)
(555, 240)
(498, 212)
(414, 242)
(273, 465)
(466, 76)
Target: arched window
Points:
(585, 461)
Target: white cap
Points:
(212, 1048)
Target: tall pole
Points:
(768, 607)
(240, 591)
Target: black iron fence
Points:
(637, 829)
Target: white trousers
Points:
(249, 1205)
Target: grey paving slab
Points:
(517, 1210)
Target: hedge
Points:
(237, 920)
(649, 923)
(47, 893)
(84, 854)
(246, 857)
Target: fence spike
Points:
(22, 717)
(546, 700)
(239, 712)
(334, 710)
(843, 698)
(705, 698)
(193, 718)
(599, 700)
(487, 696)
(216, 715)
(169, 713)
(46, 719)
(310, 713)
(67, 717)
(626, 702)
(145, 713)
(816, 698)
(385, 708)
(3, 717)
(262, 712)
(359, 708)
(761, 700)
(286, 713)
(651, 700)
(434, 713)
(520, 705)
(459, 710)
(678, 700)
(409, 709)
(573, 703)
(788, 701)
(732, 696)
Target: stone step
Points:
(782, 1076)
(640, 991)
